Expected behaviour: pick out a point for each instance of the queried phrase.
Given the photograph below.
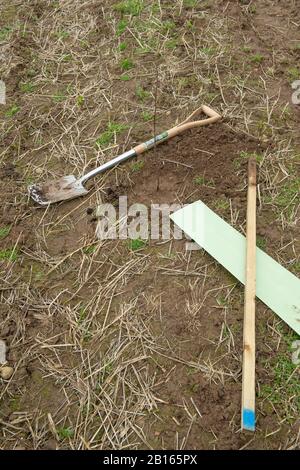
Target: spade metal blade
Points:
(67, 187)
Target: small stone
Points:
(51, 444)
(89, 210)
(6, 372)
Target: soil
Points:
(195, 309)
(160, 181)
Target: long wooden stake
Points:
(248, 381)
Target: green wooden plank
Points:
(275, 286)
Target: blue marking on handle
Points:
(248, 419)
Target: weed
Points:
(190, 3)
(65, 433)
(23, 32)
(84, 43)
(257, 58)
(70, 89)
(137, 166)
(207, 51)
(155, 9)
(4, 231)
(87, 336)
(82, 315)
(285, 115)
(191, 370)
(142, 50)
(121, 27)
(31, 73)
(62, 34)
(288, 335)
(33, 271)
(14, 404)
(89, 250)
(9, 254)
(126, 64)
(258, 156)
(221, 204)
(136, 244)
(27, 87)
(210, 96)
(12, 111)
(147, 116)
(168, 26)
(284, 391)
(125, 78)
(122, 46)
(270, 71)
(80, 100)
(183, 83)
(29, 180)
(199, 180)
(222, 301)
(59, 97)
(107, 136)
(190, 25)
(141, 93)
(66, 58)
(171, 43)
(288, 193)
(5, 32)
(294, 73)
(246, 49)
(194, 388)
(38, 275)
(264, 129)
(296, 267)
(105, 373)
(129, 7)
(261, 242)
(246, 156)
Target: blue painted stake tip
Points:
(248, 420)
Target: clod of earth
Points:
(6, 372)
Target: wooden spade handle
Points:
(213, 116)
(248, 380)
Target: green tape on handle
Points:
(158, 138)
